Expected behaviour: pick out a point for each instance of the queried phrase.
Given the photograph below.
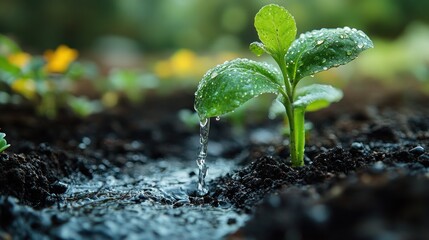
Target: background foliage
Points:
(129, 47)
(169, 24)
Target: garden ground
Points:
(130, 173)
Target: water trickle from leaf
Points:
(201, 160)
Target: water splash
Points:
(201, 160)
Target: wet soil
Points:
(130, 173)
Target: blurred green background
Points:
(181, 39)
(199, 25)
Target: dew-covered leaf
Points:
(229, 85)
(316, 96)
(322, 49)
(276, 29)
(258, 48)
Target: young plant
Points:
(44, 81)
(229, 85)
(3, 142)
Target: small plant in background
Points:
(45, 81)
(3, 143)
(231, 84)
(188, 118)
(50, 82)
(128, 82)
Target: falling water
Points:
(201, 160)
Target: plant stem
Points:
(295, 118)
(292, 139)
(299, 135)
(286, 80)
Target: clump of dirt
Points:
(35, 176)
(247, 187)
(395, 208)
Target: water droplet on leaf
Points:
(213, 75)
(204, 122)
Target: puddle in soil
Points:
(151, 201)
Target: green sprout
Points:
(3, 142)
(229, 85)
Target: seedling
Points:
(229, 85)
(3, 142)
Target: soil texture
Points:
(130, 173)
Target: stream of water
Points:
(201, 160)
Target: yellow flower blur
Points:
(25, 86)
(19, 59)
(163, 69)
(110, 99)
(59, 60)
(185, 63)
(181, 64)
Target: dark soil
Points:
(366, 174)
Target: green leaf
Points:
(3, 147)
(258, 48)
(229, 85)
(320, 50)
(83, 106)
(3, 143)
(276, 29)
(8, 71)
(316, 96)
(8, 46)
